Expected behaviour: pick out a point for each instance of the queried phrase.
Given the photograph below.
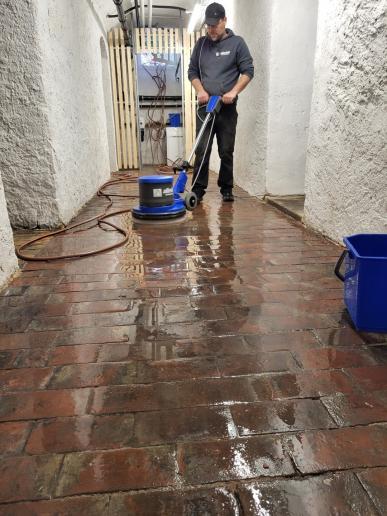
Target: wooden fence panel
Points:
(170, 41)
(124, 107)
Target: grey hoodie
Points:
(219, 64)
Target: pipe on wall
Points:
(123, 21)
(136, 7)
(150, 13)
(142, 9)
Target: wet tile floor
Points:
(206, 368)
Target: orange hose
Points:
(101, 219)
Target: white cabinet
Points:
(175, 147)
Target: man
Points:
(220, 64)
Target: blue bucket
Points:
(174, 119)
(365, 280)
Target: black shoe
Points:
(228, 197)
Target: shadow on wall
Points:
(8, 261)
(107, 95)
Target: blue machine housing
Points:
(174, 210)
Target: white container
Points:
(175, 147)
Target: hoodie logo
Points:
(224, 53)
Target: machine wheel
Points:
(191, 201)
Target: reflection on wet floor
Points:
(206, 367)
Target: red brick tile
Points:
(27, 340)
(54, 310)
(216, 346)
(344, 448)
(358, 409)
(117, 352)
(182, 314)
(379, 353)
(89, 296)
(28, 478)
(81, 433)
(82, 354)
(333, 358)
(291, 341)
(86, 286)
(84, 278)
(8, 358)
(160, 396)
(298, 322)
(258, 312)
(94, 307)
(12, 437)
(328, 494)
(168, 426)
(91, 336)
(218, 501)
(89, 375)
(216, 461)
(117, 470)
(182, 369)
(31, 358)
(375, 483)
(216, 300)
(259, 363)
(24, 379)
(338, 337)
(205, 329)
(306, 384)
(71, 506)
(373, 338)
(281, 416)
(372, 378)
(43, 404)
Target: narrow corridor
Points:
(207, 367)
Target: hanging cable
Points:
(156, 116)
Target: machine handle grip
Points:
(339, 263)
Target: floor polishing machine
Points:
(160, 199)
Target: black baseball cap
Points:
(214, 13)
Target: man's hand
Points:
(203, 97)
(229, 98)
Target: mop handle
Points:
(199, 136)
(213, 106)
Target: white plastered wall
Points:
(292, 49)
(251, 20)
(346, 179)
(26, 159)
(8, 262)
(270, 149)
(72, 79)
(55, 102)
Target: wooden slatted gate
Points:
(124, 100)
(124, 85)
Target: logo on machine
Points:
(158, 192)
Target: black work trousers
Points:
(225, 129)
